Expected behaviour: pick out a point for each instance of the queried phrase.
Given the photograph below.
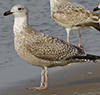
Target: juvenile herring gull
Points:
(43, 50)
(73, 16)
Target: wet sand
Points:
(73, 79)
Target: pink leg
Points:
(42, 78)
(46, 78)
(68, 36)
(79, 36)
(42, 87)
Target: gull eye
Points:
(19, 8)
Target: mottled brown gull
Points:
(43, 50)
(73, 16)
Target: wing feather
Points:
(51, 50)
(71, 13)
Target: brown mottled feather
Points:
(68, 14)
(47, 47)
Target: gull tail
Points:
(96, 26)
(90, 24)
(90, 57)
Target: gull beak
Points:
(8, 13)
(96, 9)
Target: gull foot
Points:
(37, 88)
(80, 46)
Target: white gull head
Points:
(20, 13)
(19, 10)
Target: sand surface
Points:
(73, 79)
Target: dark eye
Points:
(19, 8)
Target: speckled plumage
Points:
(46, 49)
(73, 16)
(40, 49)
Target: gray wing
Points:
(54, 51)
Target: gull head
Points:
(18, 11)
(97, 8)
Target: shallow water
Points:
(12, 67)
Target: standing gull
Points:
(73, 16)
(43, 50)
